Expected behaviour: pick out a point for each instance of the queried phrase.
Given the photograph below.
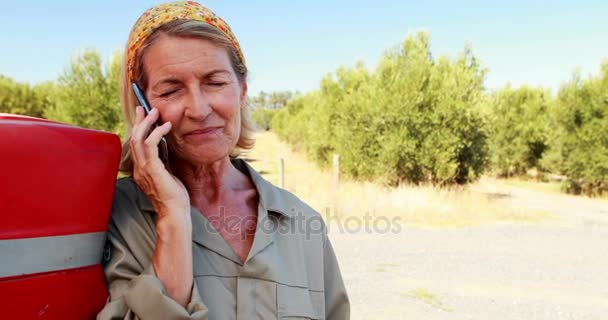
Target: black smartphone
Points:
(163, 151)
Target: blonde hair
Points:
(179, 28)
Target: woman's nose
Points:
(197, 105)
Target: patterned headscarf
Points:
(168, 12)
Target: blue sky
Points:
(291, 45)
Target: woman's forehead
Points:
(175, 54)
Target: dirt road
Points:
(556, 269)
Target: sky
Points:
(291, 45)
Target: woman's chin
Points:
(205, 154)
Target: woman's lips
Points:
(203, 133)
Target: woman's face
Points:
(193, 85)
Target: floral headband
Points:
(167, 12)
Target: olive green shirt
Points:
(291, 271)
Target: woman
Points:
(204, 236)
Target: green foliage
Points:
(579, 145)
(263, 117)
(274, 100)
(264, 106)
(87, 96)
(519, 129)
(287, 123)
(21, 98)
(413, 119)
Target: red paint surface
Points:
(55, 179)
(68, 294)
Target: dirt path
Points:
(557, 269)
(553, 269)
(572, 209)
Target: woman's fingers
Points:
(165, 191)
(139, 116)
(143, 123)
(139, 133)
(152, 141)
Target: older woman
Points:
(204, 236)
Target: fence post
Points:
(282, 173)
(336, 183)
(336, 171)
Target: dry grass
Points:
(544, 186)
(416, 205)
(423, 295)
(552, 187)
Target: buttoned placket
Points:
(206, 235)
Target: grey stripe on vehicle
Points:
(44, 254)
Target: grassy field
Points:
(416, 205)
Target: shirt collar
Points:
(271, 197)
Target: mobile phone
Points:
(163, 151)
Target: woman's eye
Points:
(167, 93)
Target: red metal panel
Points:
(56, 179)
(69, 294)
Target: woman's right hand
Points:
(165, 191)
(172, 260)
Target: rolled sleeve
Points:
(135, 290)
(146, 297)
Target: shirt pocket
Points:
(298, 303)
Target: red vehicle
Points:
(56, 188)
